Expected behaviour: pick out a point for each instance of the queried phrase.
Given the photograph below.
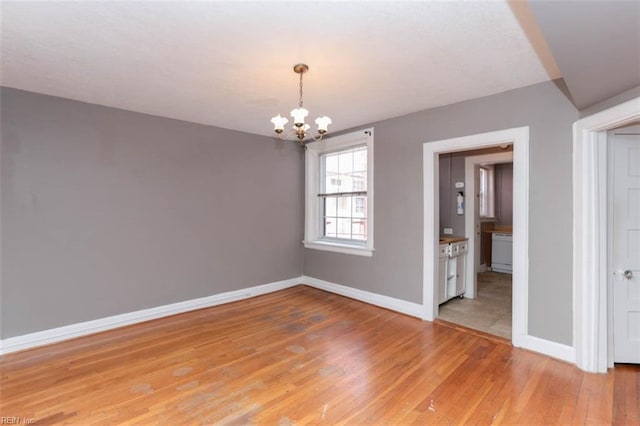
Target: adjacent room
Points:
(485, 304)
(222, 212)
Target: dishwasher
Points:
(502, 253)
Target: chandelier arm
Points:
(284, 138)
(316, 138)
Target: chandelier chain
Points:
(300, 99)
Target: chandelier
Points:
(300, 128)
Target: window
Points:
(486, 195)
(342, 197)
(339, 194)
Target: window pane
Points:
(344, 228)
(330, 206)
(331, 180)
(345, 171)
(359, 180)
(360, 159)
(359, 229)
(331, 163)
(359, 207)
(344, 207)
(485, 196)
(345, 162)
(330, 227)
(332, 183)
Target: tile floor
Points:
(489, 312)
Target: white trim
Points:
(469, 217)
(520, 138)
(54, 335)
(312, 232)
(59, 334)
(339, 248)
(398, 305)
(590, 323)
(549, 348)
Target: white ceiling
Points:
(229, 64)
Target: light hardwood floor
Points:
(304, 356)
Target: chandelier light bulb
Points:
(323, 124)
(299, 115)
(278, 123)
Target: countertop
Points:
(500, 230)
(451, 239)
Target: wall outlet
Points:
(448, 231)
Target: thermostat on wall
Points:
(459, 184)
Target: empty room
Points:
(359, 212)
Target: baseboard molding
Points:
(398, 305)
(54, 335)
(549, 348)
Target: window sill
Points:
(338, 248)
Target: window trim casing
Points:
(312, 232)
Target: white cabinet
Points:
(443, 260)
(452, 261)
(458, 282)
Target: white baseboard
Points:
(398, 305)
(40, 338)
(549, 348)
(54, 335)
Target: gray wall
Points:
(396, 267)
(451, 171)
(611, 102)
(106, 211)
(503, 176)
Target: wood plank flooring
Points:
(304, 356)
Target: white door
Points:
(626, 247)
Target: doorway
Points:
(485, 178)
(519, 137)
(593, 334)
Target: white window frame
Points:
(313, 206)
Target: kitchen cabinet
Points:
(443, 260)
(452, 261)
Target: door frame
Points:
(591, 303)
(519, 137)
(470, 219)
